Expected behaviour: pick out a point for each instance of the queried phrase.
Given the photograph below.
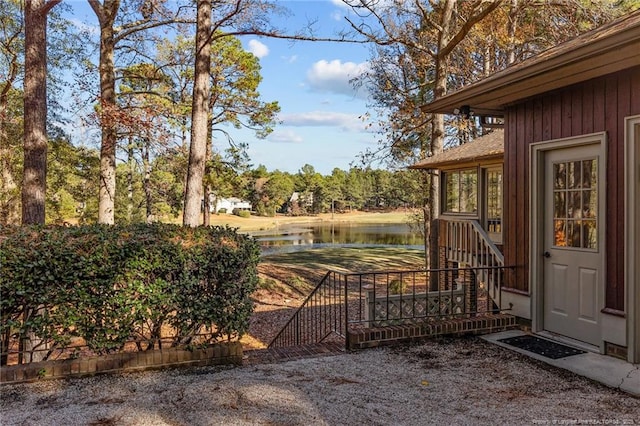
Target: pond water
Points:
(299, 237)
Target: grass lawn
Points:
(259, 223)
(352, 259)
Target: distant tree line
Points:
(73, 182)
(354, 189)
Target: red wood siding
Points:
(594, 106)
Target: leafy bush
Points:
(242, 213)
(111, 284)
(397, 287)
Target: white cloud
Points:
(337, 16)
(346, 122)
(335, 76)
(290, 59)
(284, 136)
(260, 50)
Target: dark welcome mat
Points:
(542, 347)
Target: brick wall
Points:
(372, 337)
(218, 354)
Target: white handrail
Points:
(468, 243)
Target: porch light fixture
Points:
(464, 110)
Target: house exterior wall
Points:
(594, 106)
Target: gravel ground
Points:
(443, 382)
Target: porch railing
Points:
(467, 243)
(345, 302)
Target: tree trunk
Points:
(146, 183)
(35, 133)
(437, 125)
(35, 111)
(106, 13)
(511, 31)
(199, 116)
(130, 174)
(206, 213)
(106, 206)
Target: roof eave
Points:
(456, 162)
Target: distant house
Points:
(228, 204)
(562, 202)
(300, 203)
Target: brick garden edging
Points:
(218, 354)
(379, 336)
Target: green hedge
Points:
(242, 213)
(113, 284)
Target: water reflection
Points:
(298, 237)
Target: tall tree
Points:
(199, 116)
(106, 14)
(144, 16)
(35, 110)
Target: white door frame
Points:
(632, 232)
(536, 219)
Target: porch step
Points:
(378, 336)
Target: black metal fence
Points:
(348, 301)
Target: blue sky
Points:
(320, 109)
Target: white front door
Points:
(573, 248)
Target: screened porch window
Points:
(461, 191)
(494, 201)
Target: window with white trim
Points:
(461, 191)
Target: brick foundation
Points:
(372, 337)
(218, 354)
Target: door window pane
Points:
(559, 205)
(574, 204)
(589, 174)
(559, 233)
(590, 204)
(574, 229)
(574, 174)
(575, 198)
(589, 234)
(559, 176)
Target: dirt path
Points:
(443, 382)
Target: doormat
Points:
(543, 347)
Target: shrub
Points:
(267, 284)
(242, 213)
(111, 284)
(397, 287)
